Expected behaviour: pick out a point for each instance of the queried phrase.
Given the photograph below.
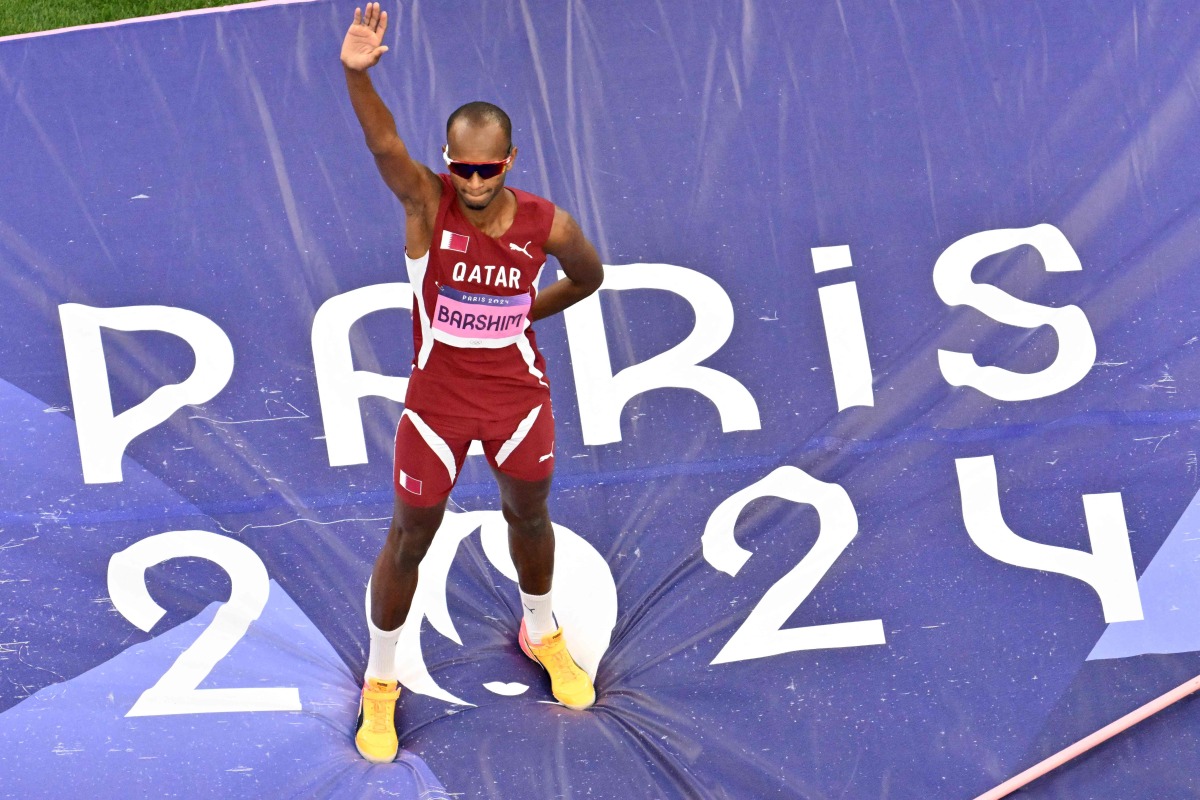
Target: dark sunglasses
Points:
(484, 169)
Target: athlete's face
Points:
(478, 143)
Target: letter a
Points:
(339, 384)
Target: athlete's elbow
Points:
(384, 144)
(590, 281)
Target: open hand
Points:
(363, 46)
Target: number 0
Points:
(176, 691)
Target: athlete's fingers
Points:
(358, 16)
(382, 25)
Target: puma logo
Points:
(546, 457)
(524, 250)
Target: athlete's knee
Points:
(409, 547)
(410, 535)
(528, 521)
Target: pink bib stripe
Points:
(479, 320)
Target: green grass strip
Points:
(22, 16)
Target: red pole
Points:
(1087, 743)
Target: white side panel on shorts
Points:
(435, 442)
(518, 435)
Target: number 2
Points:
(176, 691)
(763, 634)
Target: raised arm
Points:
(416, 186)
(579, 263)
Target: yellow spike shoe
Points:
(569, 684)
(375, 736)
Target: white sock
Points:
(539, 616)
(381, 660)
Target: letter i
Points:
(844, 332)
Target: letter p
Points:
(104, 436)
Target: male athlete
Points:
(475, 250)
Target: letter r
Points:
(602, 395)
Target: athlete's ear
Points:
(512, 157)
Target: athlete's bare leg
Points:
(394, 579)
(531, 543)
(530, 535)
(393, 582)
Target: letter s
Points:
(1076, 344)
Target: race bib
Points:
(466, 319)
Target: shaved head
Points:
(479, 114)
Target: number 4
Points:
(763, 634)
(176, 691)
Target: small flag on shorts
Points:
(409, 483)
(455, 241)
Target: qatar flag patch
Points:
(455, 241)
(409, 483)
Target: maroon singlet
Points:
(476, 356)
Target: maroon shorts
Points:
(430, 450)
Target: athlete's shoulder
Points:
(536, 209)
(445, 199)
(526, 197)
